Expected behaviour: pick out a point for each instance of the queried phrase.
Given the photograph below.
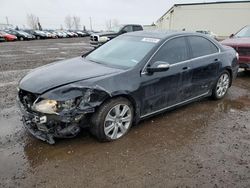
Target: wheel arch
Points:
(131, 100)
(230, 74)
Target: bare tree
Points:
(32, 21)
(68, 22)
(76, 22)
(111, 23)
(115, 23)
(108, 25)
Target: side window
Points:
(128, 28)
(201, 46)
(137, 28)
(173, 51)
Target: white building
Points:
(222, 18)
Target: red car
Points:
(8, 37)
(241, 43)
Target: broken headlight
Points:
(54, 107)
(48, 106)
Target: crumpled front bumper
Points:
(46, 127)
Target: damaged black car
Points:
(131, 77)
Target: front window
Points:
(173, 51)
(3, 33)
(245, 32)
(22, 33)
(123, 51)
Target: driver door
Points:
(160, 90)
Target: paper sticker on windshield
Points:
(152, 40)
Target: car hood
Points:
(61, 73)
(245, 42)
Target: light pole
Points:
(90, 22)
(7, 20)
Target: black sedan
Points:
(38, 34)
(21, 35)
(134, 76)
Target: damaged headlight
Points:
(54, 107)
(46, 106)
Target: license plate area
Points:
(42, 127)
(40, 122)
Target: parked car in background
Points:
(69, 34)
(65, 35)
(98, 39)
(131, 77)
(241, 43)
(58, 34)
(81, 33)
(8, 37)
(50, 34)
(38, 34)
(209, 33)
(2, 39)
(21, 35)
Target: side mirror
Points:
(158, 66)
(231, 36)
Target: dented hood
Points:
(61, 73)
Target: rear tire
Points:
(221, 87)
(112, 120)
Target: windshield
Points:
(116, 29)
(245, 32)
(23, 33)
(123, 51)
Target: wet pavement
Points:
(204, 144)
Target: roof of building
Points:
(205, 3)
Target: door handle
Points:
(185, 68)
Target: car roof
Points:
(162, 34)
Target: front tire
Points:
(222, 85)
(112, 120)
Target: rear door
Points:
(204, 65)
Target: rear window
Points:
(201, 46)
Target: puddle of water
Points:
(12, 157)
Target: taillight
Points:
(237, 56)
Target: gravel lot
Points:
(204, 144)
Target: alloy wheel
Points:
(222, 85)
(117, 121)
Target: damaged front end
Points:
(47, 117)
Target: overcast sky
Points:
(52, 13)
